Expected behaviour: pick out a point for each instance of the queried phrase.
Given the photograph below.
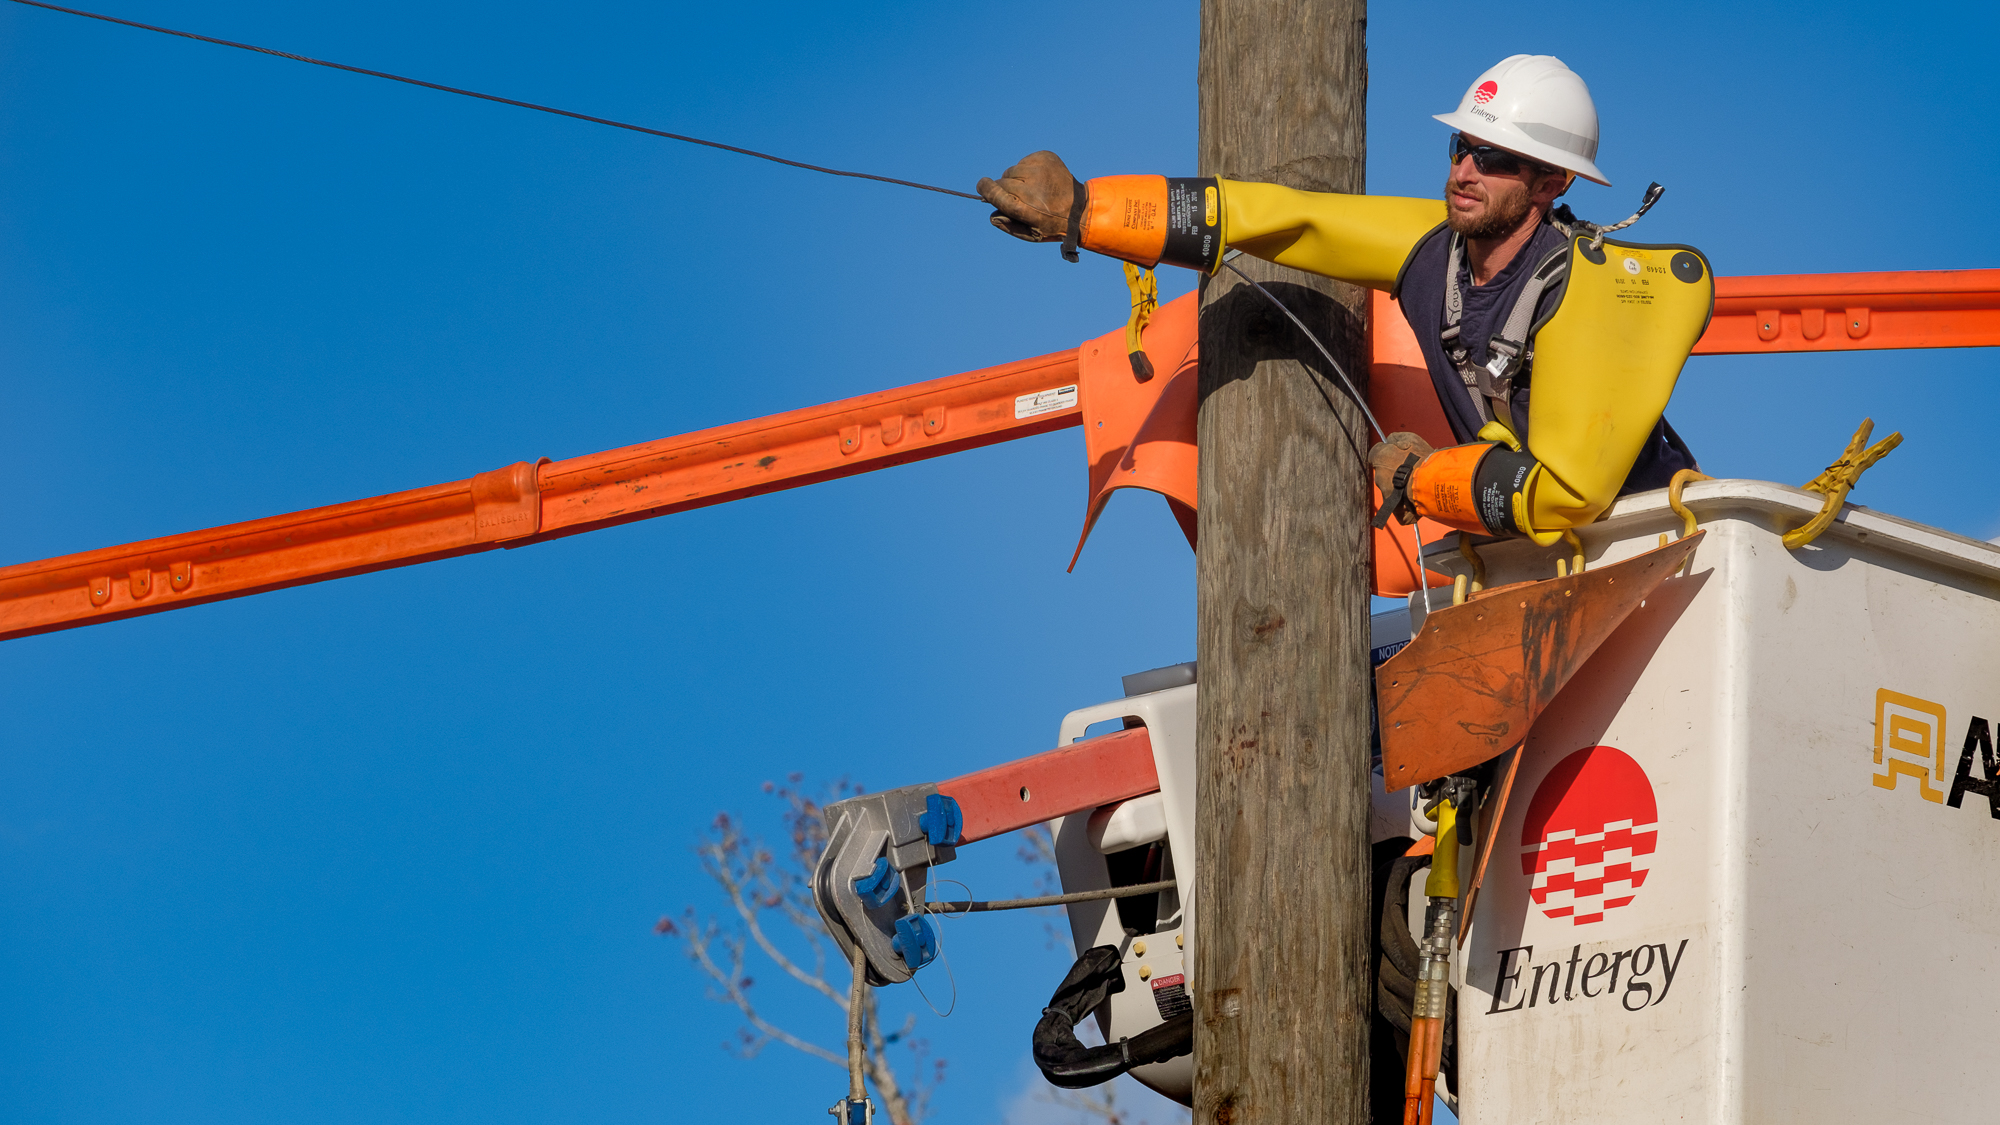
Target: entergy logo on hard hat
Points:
(1589, 835)
(1486, 92)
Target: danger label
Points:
(1170, 996)
(1045, 402)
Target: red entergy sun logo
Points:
(1485, 93)
(1589, 835)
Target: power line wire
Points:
(495, 98)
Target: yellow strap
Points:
(1500, 432)
(1576, 556)
(1466, 551)
(1145, 290)
(1681, 480)
(1464, 586)
(1838, 478)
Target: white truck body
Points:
(1733, 884)
(1750, 870)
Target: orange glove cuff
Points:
(1150, 220)
(1476, 488)
(1127, 218)
(1441, 486)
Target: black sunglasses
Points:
(1490, 160)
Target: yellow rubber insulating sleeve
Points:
(1554, 515)
(1499, 433)
(1443, 879)
(1221, 220)
(1605, 365)
(1360, 239)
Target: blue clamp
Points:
(942, 820)
(878, 886)
(915, 942)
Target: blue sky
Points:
(390, 848)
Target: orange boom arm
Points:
(1833, 312)
(1146, 440)
(530, 502)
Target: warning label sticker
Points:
(1170, 996)
(1045, 402)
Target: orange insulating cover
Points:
(1082, 775)
(1141, 434)
(1469, 686)
(1401, 395)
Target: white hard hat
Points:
(1535, 106)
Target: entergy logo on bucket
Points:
(1588, 838)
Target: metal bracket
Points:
(879, 851)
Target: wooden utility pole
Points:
(1281, 926)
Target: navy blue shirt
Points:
(1484, 314)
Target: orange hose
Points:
(1433, 1060)
(1416, 1084)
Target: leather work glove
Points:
(1032, 200)
(1384, 462)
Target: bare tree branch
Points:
(1100, 1103)
(764, 887)
(725, 862)
(770, 897)
(700, 940)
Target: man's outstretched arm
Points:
(1190, 222)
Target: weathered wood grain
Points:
(1284, 997)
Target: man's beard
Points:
(1501, 218)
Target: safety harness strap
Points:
(1510, 352)
(1079, 203)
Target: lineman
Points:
(1507, 294)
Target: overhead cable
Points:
(495, 98)
(980, 907)
(1353, 392)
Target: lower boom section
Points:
(532, 501)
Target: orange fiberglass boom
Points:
(1145, 438)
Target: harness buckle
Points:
(1496, 379)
